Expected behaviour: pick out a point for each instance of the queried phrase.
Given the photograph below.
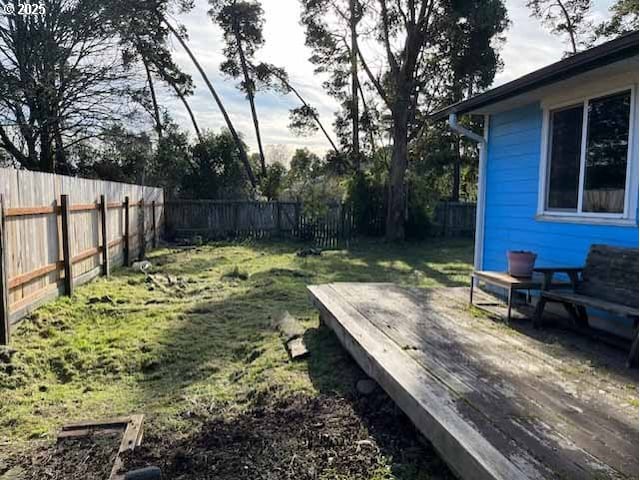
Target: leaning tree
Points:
(66, 74)
(304, 119)
(241, 22)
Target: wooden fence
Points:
(330, 227)
(454, 219)
(216, 219)
(57, 232)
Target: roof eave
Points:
(602, 55)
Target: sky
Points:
(528, 47)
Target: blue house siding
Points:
(512, 200)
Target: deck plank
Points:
(524, 402)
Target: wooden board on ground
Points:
(291, 331)
(495, 403)
(131, 438)
(297, 349)
(131, 428)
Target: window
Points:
(587, 171)
(564, 171)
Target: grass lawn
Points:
(195, 350)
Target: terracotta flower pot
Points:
(521, 263)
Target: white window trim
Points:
(628, 217)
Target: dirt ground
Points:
(89, 458)
(300, 438)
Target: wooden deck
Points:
(495, 402)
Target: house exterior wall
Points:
(512, 184)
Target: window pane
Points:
(606, 158)
(564, 171)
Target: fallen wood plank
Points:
(297, 349)
(86, 432)
(131, 428)
(292, 333)
(117, 422)
(131, 438)
(288, 327)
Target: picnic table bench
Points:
(607, 282)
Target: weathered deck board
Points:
(515, 409)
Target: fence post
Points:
(445, 219)
(126, 231)
(66, 245)
(235, 219)
(105, 236)
(278, 224)
(154, 239)
(343, 234)
(5, 326)
(142, 242)
(296, 214)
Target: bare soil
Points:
(86, 458)
(298, 438)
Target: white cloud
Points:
(528, 47)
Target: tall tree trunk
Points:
(315, 117)
(250, 87)
(232, 130)
(47, 160)
(187, 107)
(355, 140)
(60, 157)
(366, 112)
(397, 201)
(571, 29)
(154, 100)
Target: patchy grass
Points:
(196, 341)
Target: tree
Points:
(149, 46)
(332, 33)
(241, 22)
(154, 101)
(414, 38)
(304, 165)
(172, 160)
(232, 131)
(623, 20)
(62, 81)
(564, 17)
(216, 171)
(273, 181)
(304, 119)
(121, 156)
(472, 66)
(65, 75)
(182, 95)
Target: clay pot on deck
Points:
(521, 263)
